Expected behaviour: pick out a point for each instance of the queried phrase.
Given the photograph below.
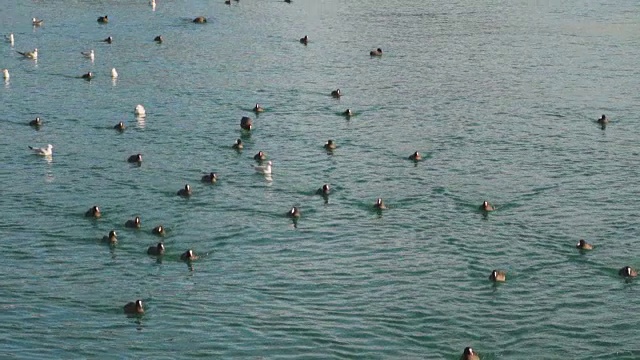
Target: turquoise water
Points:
(500, 97)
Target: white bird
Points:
(5, 74)
(140, 111)
(89, 54)
(9, 38)
(45, 151)
(263, 169)
(36, 21)
(30, 54)
(153, 4)
(114, 73)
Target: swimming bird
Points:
(238, 145)
(258, 108)
(33, 55)
(336, 93)
(152, 3)
(603, 120)
(103, 19)
(324, 190)
(263, 169)
(188, 255)
(260, 156)
(583, 245)
(246, 123)
(200, 20)
(210, 178)
(498, 276)
(111, 238)
(133, 223)
(10, 38)
(159, 39)
(87, 76)
(93, 212)
(376, 52)
(628, 271)
(469, 354)
(140, 111)
(330, 145)
(304, 40)
(348, 113)
(134, 307)
(287, 1)
(415, 156)
(137, 158)
(114, 73)
(88, 54)
(108, 40)
(37, 122)
(156, 250)
(294, 212)
(379, 204)
(5, 74)
(158, 230)
(44, 151)
(36, 22)
(227, 2)
(486, 206)
(185, 192)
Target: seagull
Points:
(45, 151)
(9, 38)
(140, 111)
(263, 169)
(89, 54)
(5, 74)
(30, 54)
(114, 73)
(36, 21)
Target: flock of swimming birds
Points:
(246, 123)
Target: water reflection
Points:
(140, 120)
(48, 175)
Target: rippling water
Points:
(500, 97)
